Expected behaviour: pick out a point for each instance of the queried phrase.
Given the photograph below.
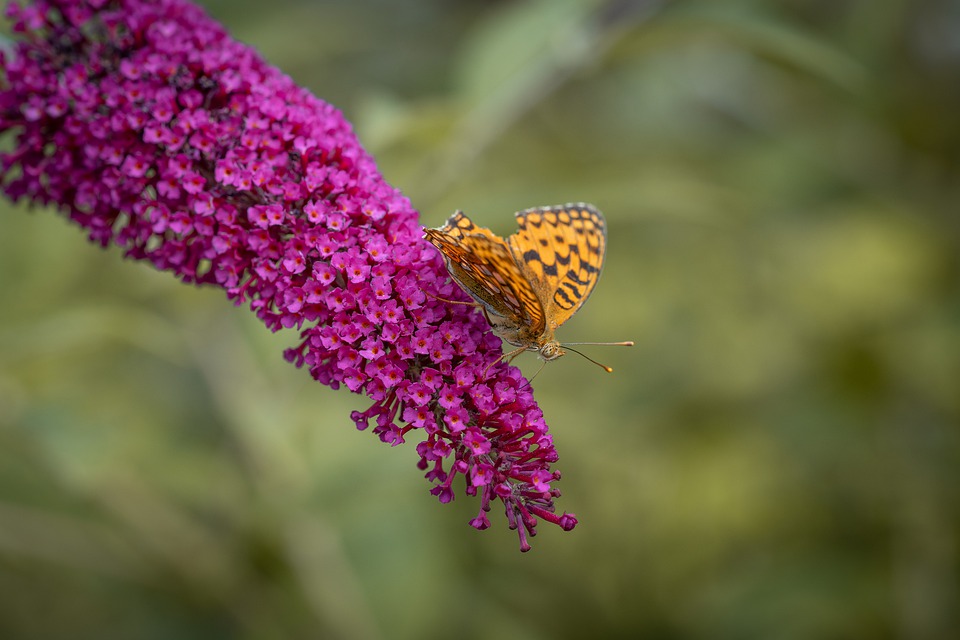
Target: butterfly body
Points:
(534, 280)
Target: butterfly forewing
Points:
(460, 226)
(560, 250)
(481, 262)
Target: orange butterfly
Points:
(535, 280)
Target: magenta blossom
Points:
(153, 130)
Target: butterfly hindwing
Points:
(560, 250)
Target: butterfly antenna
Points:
(628, 343)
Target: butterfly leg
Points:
(543, 363)
(508, 356)
(513, 354)
(463, 302)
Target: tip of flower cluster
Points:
(568, 521)
(157, 132)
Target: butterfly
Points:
(530, 283)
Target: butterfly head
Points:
(551, 350)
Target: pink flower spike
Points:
(154, 131)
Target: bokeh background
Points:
(778, 457)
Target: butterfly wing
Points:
(482, 263)
(561, 250)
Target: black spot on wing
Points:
(568, 295)
(575, 277)
(589, 268)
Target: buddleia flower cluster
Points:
(154, 131)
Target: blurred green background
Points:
(778, 457)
